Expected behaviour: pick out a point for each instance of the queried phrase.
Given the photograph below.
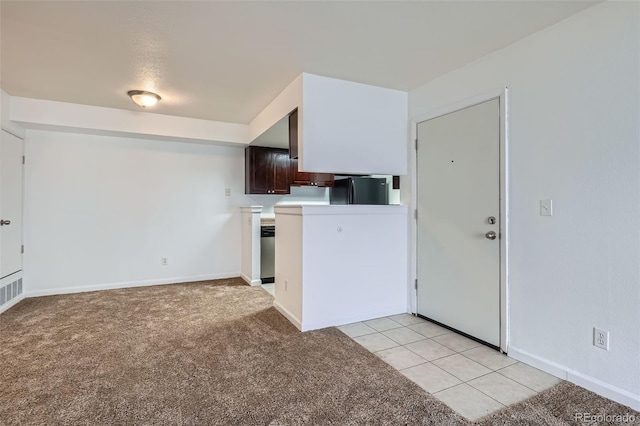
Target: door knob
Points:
(5, 222)
(491, 235)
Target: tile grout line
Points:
(493, 370)
(434, 359)
(403, 344)
(381, 331)
(498, 371)
(367, 334)
(490, 368)
(441, 390)
(464, 381)
(427, 362)
(503, 405)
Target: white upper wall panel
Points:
(350, 127)
(61, 116)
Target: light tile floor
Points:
(270, 288)
(472, 379)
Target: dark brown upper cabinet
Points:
(309, 179)
(293, 134)
(267, 170)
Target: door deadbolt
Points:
(491, 220)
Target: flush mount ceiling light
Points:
(143, 98)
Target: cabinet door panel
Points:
(323, 179)
(259, 170)
(299, 178)
(282, 172)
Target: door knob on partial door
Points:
(5, 222)
(491, 235)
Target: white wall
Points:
(350, 127)
(102, 211)
(574, 137)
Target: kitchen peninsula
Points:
(338, 264)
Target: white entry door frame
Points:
(502, 95)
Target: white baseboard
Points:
(545, 365)
(604, 389)
(13, 302)
(250, 281)
(363, 316)
(127, 284)
(288, 315)
(591, 383)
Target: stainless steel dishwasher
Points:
(267, 253)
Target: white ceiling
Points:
(226, 61)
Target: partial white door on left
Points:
(10, 204)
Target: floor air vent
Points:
(10, 291)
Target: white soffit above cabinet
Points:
(225, 61)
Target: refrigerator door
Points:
(369, 191)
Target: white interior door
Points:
(10, 204)
(458, 190)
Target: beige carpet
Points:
(213, 353)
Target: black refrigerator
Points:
(360, 190)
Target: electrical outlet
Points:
(227, 192)
(601, 339)
(164, 261)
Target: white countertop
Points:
(340, 209)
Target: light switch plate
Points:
(227, 192)
(546, 208)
